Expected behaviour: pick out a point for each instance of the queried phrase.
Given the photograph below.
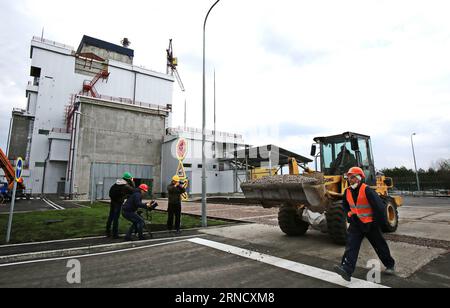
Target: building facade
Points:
(100, 79)
(222, 177)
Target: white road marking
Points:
(300, 268)
(102, 253)
(53, 205)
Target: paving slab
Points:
(410, 258)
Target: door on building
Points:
(61, 189)
(105, 175)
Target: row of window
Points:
(199, 166)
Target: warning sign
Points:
(182, 149)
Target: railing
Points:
(208, 132)
(60, 130)
(53, 43)
(128, 101)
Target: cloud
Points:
(286, 70)
(281, 46)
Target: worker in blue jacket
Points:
(133, 203)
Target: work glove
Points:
(350, 218)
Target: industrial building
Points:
(87, 108)
(92, 115)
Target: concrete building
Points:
(119, 99)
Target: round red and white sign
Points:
(181, 149)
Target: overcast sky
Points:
(287, 70)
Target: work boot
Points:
(178, 232)
(390, 271)
(128, 239)
(339, 269)
(142, 238)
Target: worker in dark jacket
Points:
(175, 190)
(129, 178)
(365, 210)
(133, 203)
(121, 190)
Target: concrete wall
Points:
(122, 135)
(19, 137)
(107, 54)
(59, 150)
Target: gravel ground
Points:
(418, 241)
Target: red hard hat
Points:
(356, 170)
(144, 187)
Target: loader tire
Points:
(337, 223)
(391, 216)
(290, 222)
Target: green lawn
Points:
(80, 222)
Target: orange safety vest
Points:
(362, 208)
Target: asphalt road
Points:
(186, 264)
(280, 260)
(427, 201)
(35, 205)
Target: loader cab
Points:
(341, 152)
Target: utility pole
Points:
(204, 216)
(415, 165)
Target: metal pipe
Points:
(45, 166)
(214, 145)
(415, 165)
(72, 153)
(134, 90)
(204, 219)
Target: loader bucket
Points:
(275, 191)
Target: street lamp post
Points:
(204, 219)
(415, 165)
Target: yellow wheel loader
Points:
(313, 198)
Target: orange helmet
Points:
(356, 170)
(144, 187)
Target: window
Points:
(187, 165)
(214, 166)
(35, 71)
(363, 150)
(39, 165)
(44, 132)
(200, 166)
(327, 155)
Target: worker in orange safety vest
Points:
(364, 209)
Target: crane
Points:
(172, 64)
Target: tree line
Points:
(435, 178)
